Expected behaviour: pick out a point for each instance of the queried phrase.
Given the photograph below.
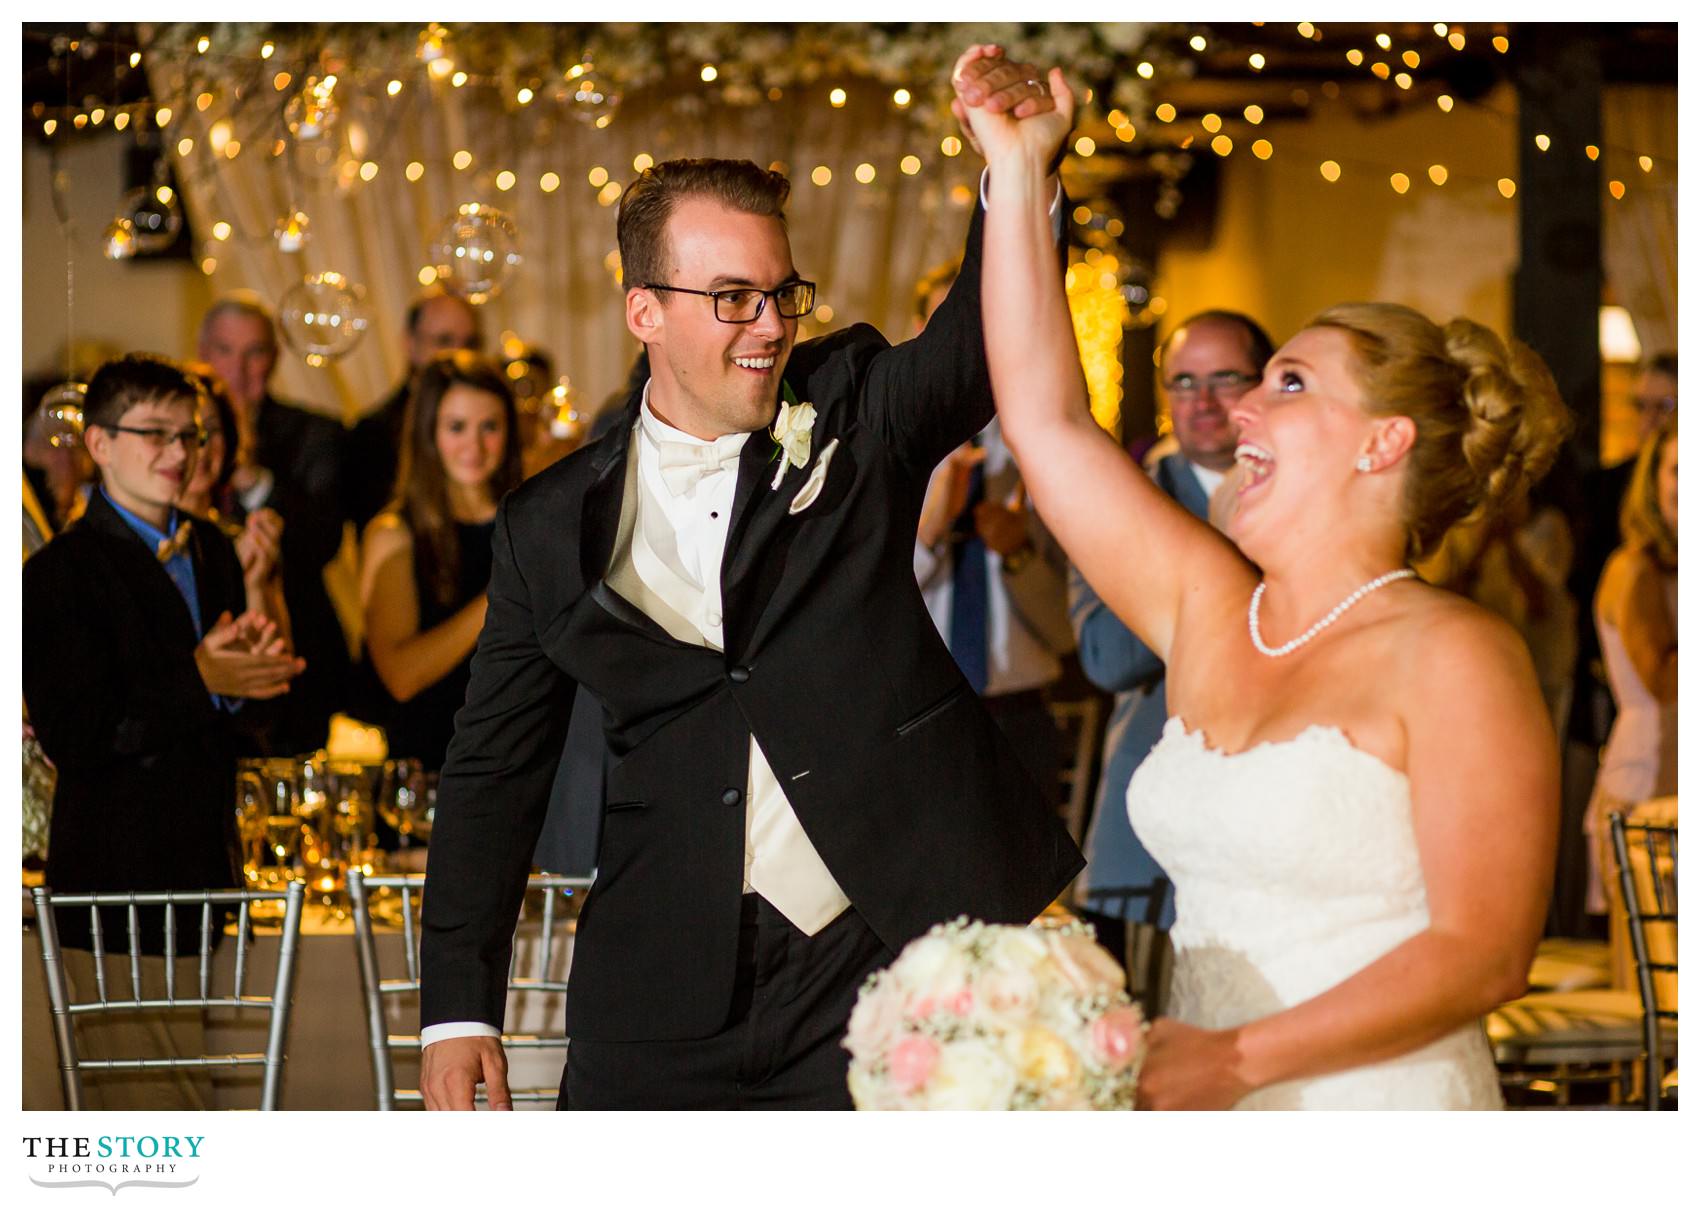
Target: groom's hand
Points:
(452, 1069)
(1009, 107)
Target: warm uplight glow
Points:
(1085, 145)
(1211, 123)
(1165, 112)
(203, 101)
(598, 177)
(1501, 43)
(910, 165)
(524, 96)
(950, 145)
(1221, 145)
(1456, 38)
(1380, 70)
(1254, 114)
(393, 87)
(837, 97)
(1542, 142)
(1507, 187)
(1445, 103)
(1330, 171)
(162, 116)
(1257, 61)
(1197, 43)
(1126, 132)
(1403, 79)
(1412, 59)
(1263, 149)
(221, 230)
(1355, 58)
(463, 159)
(822, 175)
(1306, 29)
(427, 275)
(1384, 42)
(281, 81)
(1437, 173)
(549, 182)
(709, 73)
(609, 193)
(415, 170)
(1400, 182)
(901, 98)
(864, 173)
(266, 50)
(1646, 162)
(1593, 152)
(120, 121)
(504, 180)
(185, 146)
(1145, 70)
(460, 78)
(1617, 190)
(202, 43)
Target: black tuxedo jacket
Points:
(147, 771)
(897, 774)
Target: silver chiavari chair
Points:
(110, 1002)
(537, 967)
(1646, 870)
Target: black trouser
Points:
(781, 1048)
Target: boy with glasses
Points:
(137, 649)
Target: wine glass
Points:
(405, 802)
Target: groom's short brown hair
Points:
(649, 201)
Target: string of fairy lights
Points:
(292, 103)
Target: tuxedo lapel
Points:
(599, 522)
(149, 583)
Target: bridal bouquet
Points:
(974, 1017)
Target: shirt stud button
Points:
(739, 674)
(731, 796)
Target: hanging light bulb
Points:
(291, 233)
(59, 415)
(118, 241)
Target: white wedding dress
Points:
(1295, 865)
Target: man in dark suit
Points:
(137, 649)
(803, 779)
(1206, 364)
(293, 461)
(437, 322)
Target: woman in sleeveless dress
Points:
(425, 560)
(1635, 616)
(1358, 793)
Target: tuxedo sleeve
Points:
(492, 797)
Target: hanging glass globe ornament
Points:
(474, 252)
(323, 316)
(313, 113)
(560, 408)
(588, 97)
(59, 416)
(118, 241)
(291, 232)
(154, 215)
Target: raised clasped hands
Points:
(1190, 1069)
(1011, 109)
(246, 658)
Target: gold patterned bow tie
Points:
(169, 548)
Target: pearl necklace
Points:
(1352, 599)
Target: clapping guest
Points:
(1635, 614)
(425, 560)
(207, 494)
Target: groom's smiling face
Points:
(712, 378)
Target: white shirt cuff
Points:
(438, 1032)
(1055, 208)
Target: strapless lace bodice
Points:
(1295, 865)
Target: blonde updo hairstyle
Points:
(1488, 416)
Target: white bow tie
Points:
(684, 464)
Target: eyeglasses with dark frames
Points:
(160, 439)
(744, 304)
(1223, 384)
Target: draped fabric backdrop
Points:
(865, 244)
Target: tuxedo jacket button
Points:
(739, 674)
(731, 796)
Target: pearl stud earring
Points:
(1364, 463)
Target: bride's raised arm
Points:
(1140, 550)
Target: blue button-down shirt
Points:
(180, 568)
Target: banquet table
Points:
(329, 1065)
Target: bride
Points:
(1357, 793)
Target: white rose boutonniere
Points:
(792, 432)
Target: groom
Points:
(802, 781)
